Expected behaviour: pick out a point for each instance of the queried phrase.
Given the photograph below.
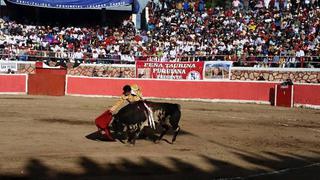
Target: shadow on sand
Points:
(290, 166)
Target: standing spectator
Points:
(236, 4)
(186, 5)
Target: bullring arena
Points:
(45, 137)
(245, 73)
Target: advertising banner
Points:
(217, 70)
(5, 66)
(73, 4)
(169, 70)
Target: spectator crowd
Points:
(281, 33)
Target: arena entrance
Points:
(47, 81)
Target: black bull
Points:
(132, 118)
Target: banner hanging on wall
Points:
(169, 70)
(73, 4)
(207, 70)
(6, 66)
(217, 69)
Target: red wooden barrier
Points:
(12, 84)
(51, 71)
(54, 84)
(47, 82)
(284, 95)
(250, 91)
(223, 90)
(307, 94)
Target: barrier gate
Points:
(284, 95)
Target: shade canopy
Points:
(73, 4)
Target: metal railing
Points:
(89, 58)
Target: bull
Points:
(132, 118)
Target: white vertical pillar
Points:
(147, 15)
(134, 20)
(292, 95)
(275, 95)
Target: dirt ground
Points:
(45, 138)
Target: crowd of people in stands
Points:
(89, 43)
(254, 32)
(279, 31)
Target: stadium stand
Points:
(251, 33)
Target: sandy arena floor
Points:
(45, 138)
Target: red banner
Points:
(169, 70)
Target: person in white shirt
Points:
(78, 55)
(235, 4)
(95, 54)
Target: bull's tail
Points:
(179, 106)
(174, 121)
(175, 117)
(175, 134)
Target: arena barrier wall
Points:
(241, 91)
(56, 71)
(47, 82)
(307, 94)
(229, 91)
(13, 83)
